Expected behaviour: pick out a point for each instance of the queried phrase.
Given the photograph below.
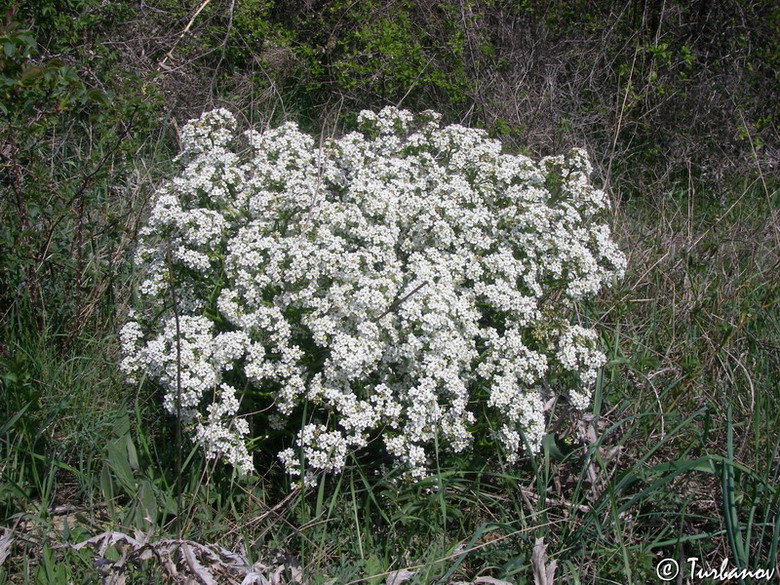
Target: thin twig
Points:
(758, 167)
(395, 304)
(198, 10)
(179, 462)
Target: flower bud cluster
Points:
(391, 285)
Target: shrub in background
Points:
(65, 150)
(407, 283)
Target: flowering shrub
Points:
(407, 283)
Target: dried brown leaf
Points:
(491, 581)
(5, 545)
(398, 577)
(544, 572)
(197, 569)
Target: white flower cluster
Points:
(577, 353)
(390, 285)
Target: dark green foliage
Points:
(66, 26)
(66, 145)
(374, 54)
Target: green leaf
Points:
(120, 464)
(27, 39)
(132, 454)
(121, 425)
(146, 510)
(107, 485)
(98, 96)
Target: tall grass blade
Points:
(733, 527)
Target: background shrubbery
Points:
(677, 103)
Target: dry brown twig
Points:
(187, 28)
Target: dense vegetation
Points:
(677, 103)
